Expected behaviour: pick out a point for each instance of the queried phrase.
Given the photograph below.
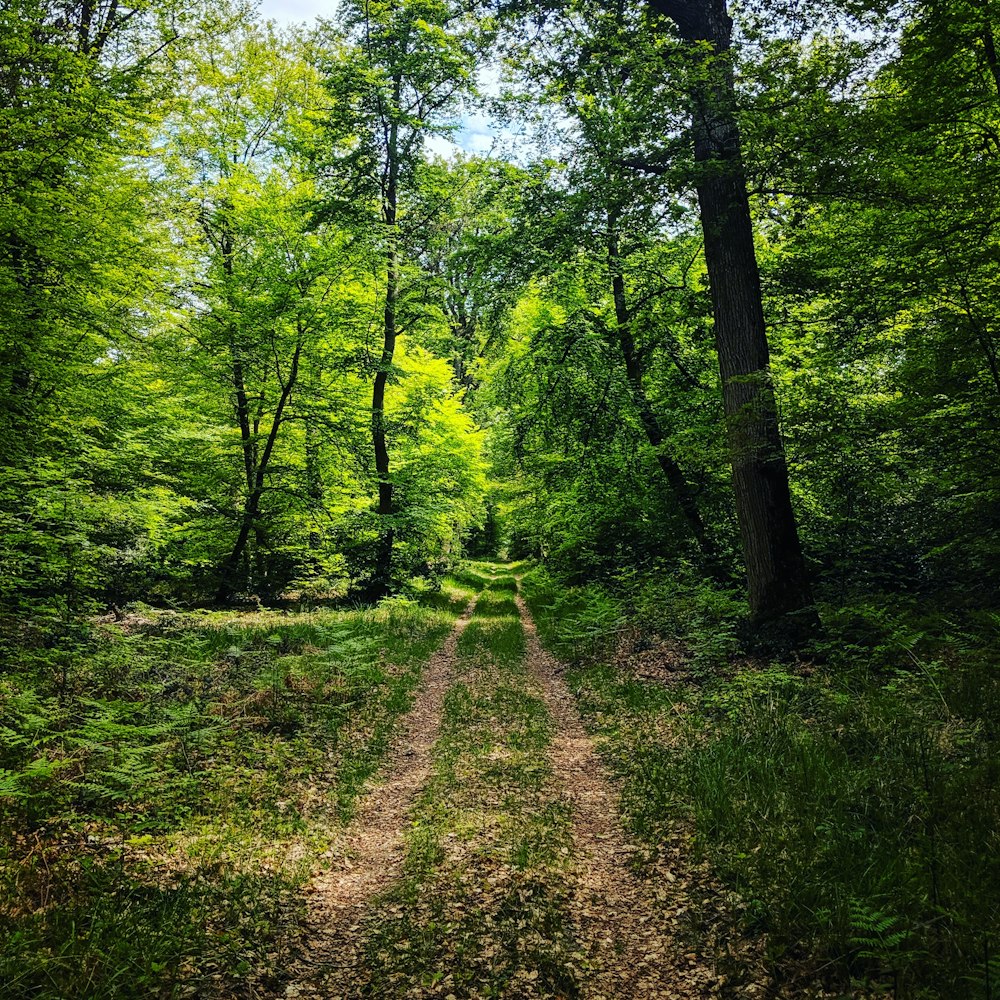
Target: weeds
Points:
(582, 622)
(167, 784)
(852, 809)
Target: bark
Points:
(990, 47)
(776, 574)
(251, 510)
(682, 490)
(382, 575)
(247, 439)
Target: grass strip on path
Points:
(482, 910)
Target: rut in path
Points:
(371, 850)
(622, 926)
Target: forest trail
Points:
(371, 852)
(622, 929)
(622, 924)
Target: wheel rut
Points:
(623, 927)
(369, 855)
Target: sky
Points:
(289, 11)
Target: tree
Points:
(778, 583)
(599, 70)
(264, 277)
(879, 241)
(81, 265)
(398, 82)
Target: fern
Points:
(875, 933)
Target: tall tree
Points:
(599, 69)
(263, 275)
(778, 583)
(400, 82)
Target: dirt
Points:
(631, 928)
(369, 856)
(626, 923)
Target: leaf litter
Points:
(366, 860)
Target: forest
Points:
(559, 560)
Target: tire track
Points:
(631, 950)
(370, 852)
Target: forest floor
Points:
(488, 858)
(392, 802)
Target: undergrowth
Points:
(849, 801)
(167, 781)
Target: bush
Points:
(581, 622)
(683, 606)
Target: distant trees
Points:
(186, 343)
(845, 201)
(264, 282)
(398, 81)
(606, 72)
(249, 317)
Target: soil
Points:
(368, 858)
(629, 919)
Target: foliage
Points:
(158, 781)
(267, 341)
(708, 620)
(844, 806)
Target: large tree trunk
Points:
(382, 571)
(776, 574)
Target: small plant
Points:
(706, 619)
(875, 933)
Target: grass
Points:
(494, 603)
(167, 788)
(481, 912)
(850, 809)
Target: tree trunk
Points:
(251, 510)
(382, 570)
(776, 574)
(680, 487)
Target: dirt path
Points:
(369, 856)
(624, 927)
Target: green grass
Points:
(157, 784)
(851, 809)
(496, 603)
(452, 594)
(123, 934)
(575, 623)
(472, 576)
(499, 639)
